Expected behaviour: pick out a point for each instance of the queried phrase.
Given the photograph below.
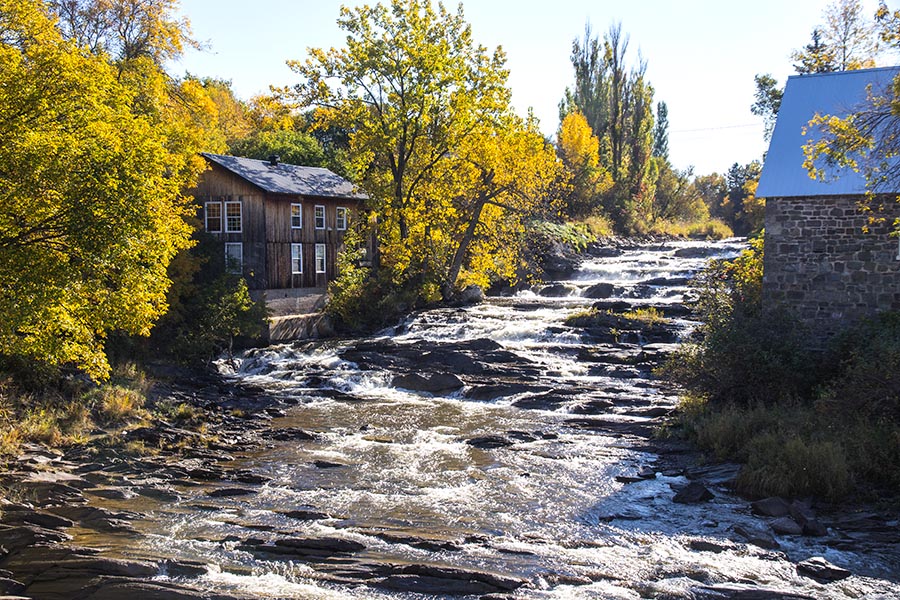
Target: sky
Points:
(701, 54)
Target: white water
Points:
(547, 508)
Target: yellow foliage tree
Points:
(91, 205)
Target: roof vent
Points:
(273, 160)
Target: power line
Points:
(755, 125)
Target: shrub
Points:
(114, 403)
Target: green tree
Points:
(414, 91)
(815, 57)
(618, 105)
(661, 131)
(767, 101)
(91, 209)
(291, 146)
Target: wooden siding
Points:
(266, 232)
(280, 235)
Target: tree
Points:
(416, 95)
(850, 34)
(661, 132)
(617, 103)
(91, 208)
(815, 57)
(767, 101)
(291, 146)
(677, 198)
(579, 150)
(125, 29)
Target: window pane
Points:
(214, 217)
(296, 258)
(296, 216)
(340, 220)
(234, 257)
(233, 217)
(320, 217)
(320, 258)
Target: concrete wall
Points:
(819, 262)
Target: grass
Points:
(795, 449)
(711, 229)
(63, 415)
(647, 316)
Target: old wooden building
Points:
(280, 225)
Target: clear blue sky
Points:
(702, 55)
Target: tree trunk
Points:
(460, 254)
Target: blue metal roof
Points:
(805, 96)
(282, 178)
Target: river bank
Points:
(482, 451)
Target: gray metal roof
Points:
(836, 94)
(287, 179)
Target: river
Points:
(538, 469)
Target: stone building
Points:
(818, 259)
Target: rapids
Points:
(514, 473)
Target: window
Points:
(296, 259)
(320, 217)
(233, 217)
(296, 216)
(320, 258)
(214, 217)
(340, 218)
(234, 257)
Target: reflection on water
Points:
(398, 472)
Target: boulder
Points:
(599, 291)
(557, 290)
(757, 537)
(230, 492)
(489, 442)
(786, 526)
(433, 383)
(771, 507)
(821, 570)
(694, 493)
(472, 294)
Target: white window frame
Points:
(299, 215)
(317, 216)
(320, 258)
(340, 218)
(296, 259)
(240, 216)
(234, 264)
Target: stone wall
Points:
(819, 262)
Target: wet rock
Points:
(599, 291)
(26, 516)
(230, 492)
(431, 545)
(11, 586)
(305, 515)
(738, 591)
(489, 442)
(317, 546)
(131, 590)
(821, 570)
(111, 493)
(771, 507)
(558, 290)
(327, 464)
(786, 526)
(435, 580)
(292, 434)
(183, 568)
(158, 493)
(757, 537)
(492, 392)
(694, 493)
(434, 383)
(696, 252)
(15, 538)
(814, 528)
(472, 294)
(708, 546)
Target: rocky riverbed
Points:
(489, 451)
